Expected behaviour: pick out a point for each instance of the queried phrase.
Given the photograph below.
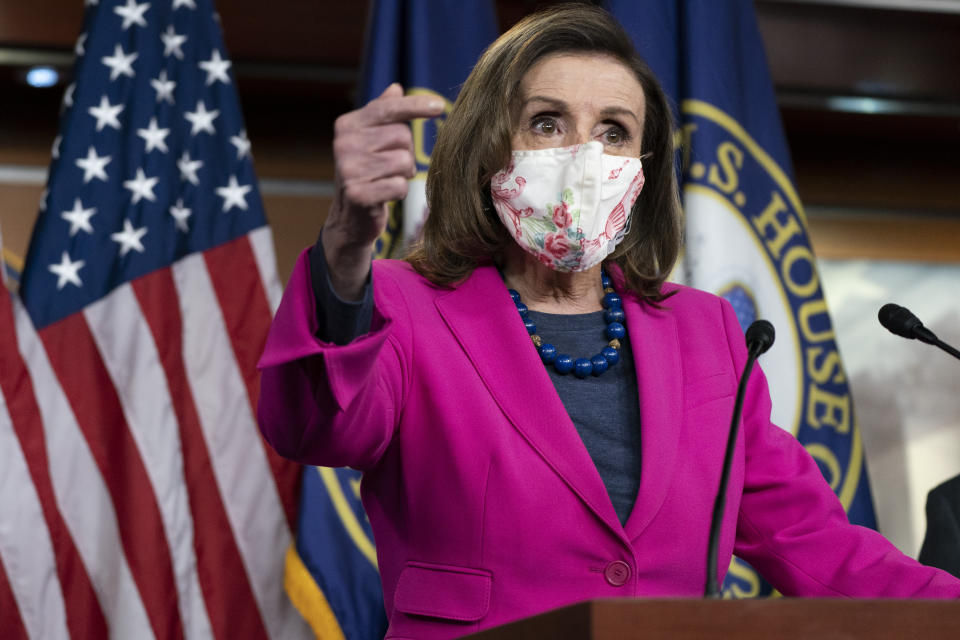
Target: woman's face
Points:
(569, 99)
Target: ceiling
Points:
(868, 89)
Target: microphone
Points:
(759, 337)
(901, 321)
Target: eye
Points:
(616, 135)
(546, 125)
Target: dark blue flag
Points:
(746, 232)
(429, 46)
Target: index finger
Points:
(401, 109)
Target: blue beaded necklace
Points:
(581, 367)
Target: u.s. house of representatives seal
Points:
(747, 240)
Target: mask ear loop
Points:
(626, 227)
(620, 235)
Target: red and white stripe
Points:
(27, 561)
(147, 504)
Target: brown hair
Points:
(463, 229)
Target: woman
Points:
(498, 482)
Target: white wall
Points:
(906, 394)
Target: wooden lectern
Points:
(779, 618)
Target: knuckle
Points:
(401, 160)
(400, 187)
(348, 167)
(343, 123)
(372, 137)
(355, 194)
(341, 147)
(401, 136)
(378, 109)
(347, 147)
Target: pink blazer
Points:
(484, 502)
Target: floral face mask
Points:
(568, 206)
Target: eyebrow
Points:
(560, 105)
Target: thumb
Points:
(395, 90)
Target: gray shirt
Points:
(604, 409)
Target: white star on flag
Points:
(43, 199)
(78, 48)
(132, 14)
(216, 68)
(67, 271)
(93, 166)
(242, 143)
(189, 4)
(180, 214)
(154, 137)
(55, 149)
(201, 119)
(163, 87)
(68, 95)
(129, 238)
(79, 218)
(188, 168)
(141, 187)
(106, 114)
(172, 42)
(234, 194)
(120, 63)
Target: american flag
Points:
(137, 499)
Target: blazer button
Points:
(617, 573)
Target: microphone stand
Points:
(755, 347)
(937, 342)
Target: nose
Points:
(580, 133)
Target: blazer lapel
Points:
(484, 321)
(656, 352)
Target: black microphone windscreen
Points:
(760, 336)
(899, 320)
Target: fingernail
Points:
(435, 104)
